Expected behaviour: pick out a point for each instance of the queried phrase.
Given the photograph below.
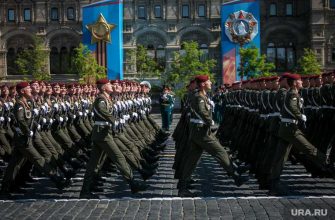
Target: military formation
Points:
(267, 121)
(55, 129)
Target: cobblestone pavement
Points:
(218, 197)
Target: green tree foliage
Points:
(147, 67)
(186, 65)
(308, 63)
(86, 66)
(253, 65)
(33, 61)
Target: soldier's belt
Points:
(328, 107)
(102, 123)
(263, 115)
(275, 114)
(288, 120)
(308, 106)
(197, 121)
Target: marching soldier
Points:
(202, 138)
(103, 141)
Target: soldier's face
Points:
(208, 85)
(5, 91)
(26, 92)
(63, 91)
(56, 89)
(49, 90)
(43, 88)
(299, 84)
(35, 88)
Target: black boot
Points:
(183, 191)
(146, 174)
(88, 195)
(238, 179)
(278, 189)
(137, 186)
(60, 182)
(148, 166)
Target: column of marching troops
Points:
(267, 121)
(263, 123)
(56, 129)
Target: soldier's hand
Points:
(304, 118)
(214, 128)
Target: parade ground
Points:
(218, 197)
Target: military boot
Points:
(60, 182)
(137, 186)
(146, 174)
(278, 189)
(183, 190)
(238, 179)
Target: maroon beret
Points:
(21, 85)
(102, 81)
(201, 78)
(114, 81)
(294, 76)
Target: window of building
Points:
(289, 9)
(70, 14)
(273, 9)
(141, 12)
(54, 14)
(158, 11)
(332, 3)
(185, 12)
(11, 15)
(333, 55)
(202, 10)
(282, 55)
(27, 14)
(204, 52)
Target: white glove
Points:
(6, 105)
(9, 119)
(61, 119)
(87, 111)
(80, 113)
(44, 120)
(35, 111)
(85, 114)
(92, 114)
(76, 104)
(74, 116)
(31, 133)
(2, 118)
(44, 109)
(11, 104)
(116, 123)
(51, 121)
(68, 104)
(56, 106)
(213, 123)
(304, 118)
(66, 118)
(38, 127)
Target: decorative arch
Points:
(281, 45)
(150, 36)
(14, 34)
(199, 34)
(62, 43)
(63, 37)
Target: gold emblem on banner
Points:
(100, 30)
